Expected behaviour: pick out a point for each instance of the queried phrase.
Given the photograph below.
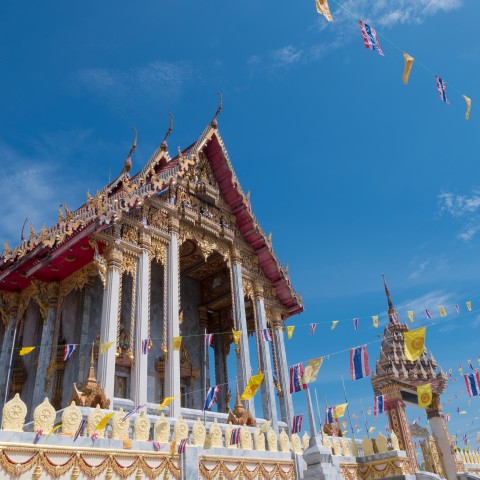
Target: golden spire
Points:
(392, 313)
(127, 166)
(219, 109)
(169, 131)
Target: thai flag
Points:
(428, 313)
(209, 339)
(297, 423)
(211, 397)
(313, 327)
(80, 429)
(457, 308)
(145, 343)
(296, 374)
(133, 412)
(156, 446)
(182, 446)
(355, 323)
(379, 405)
(266, 336)
(95, 436)
(472, 381)
(235, 437)
(38, 434)
(470, 365)
(69, 348)
(442, 89)
(393, 318)
(447, 417)
(370, 37)
(330, 415)
(359, 363)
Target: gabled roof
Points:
(56, 253)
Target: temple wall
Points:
(191, 299)
(156, 328)
(32, 334)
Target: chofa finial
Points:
(169, 131)
(127, 166)
(219, 109)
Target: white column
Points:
(140, 368)
(172, 365)
(46, 346)
(109, 322)
(267, 389)
(286, 405)
(244, 369)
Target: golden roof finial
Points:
(219, 109)
(32, 233)
(6, 248)
(127, 166)
(61, 218)
(22, 236)
(169, 131)
(387, 292)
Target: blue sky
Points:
(353, 172)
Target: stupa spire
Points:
(392, 313)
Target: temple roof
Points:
(392, 366)
(57, 252)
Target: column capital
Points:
(235, 253)
(435, 408)
(53, 289)
(114, 257)
(144, 239)
(12, 302)
(173, 224)
(258, 290)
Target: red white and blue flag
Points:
(182, 446)
(355, 323)
(156, 445)
(266, 335)
(68, 350)
(428, 313)
(38, 434)
(442, 89)
(457, 308)
(330, 415)
(80, 429)
(359, 363)
(472, 381)
(296, 374)
(134, 411)
(297, 423)
(313, 327)
(379, 405)
(211, 397)
(448, 417)
(393, 318)
(370, 37)
(209, 339)
(145, 342)
(235, 437)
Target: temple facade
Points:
(172, 251)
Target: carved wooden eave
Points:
(56, 253)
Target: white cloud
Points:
(463, 207)
(286, 56)
(431, 300)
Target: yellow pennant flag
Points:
(26, 350)
(173, 447)
(369, 411)
(469, 104)
(103, 422)
(469, 306)
(236, 336)
(344, 424)
(53, 430)
(105, 346)
(443, 313)
(290, 330)
(166, 402)
(408, 66)
(334, 324)
(311, 370)
(177, 343)
(424, 393)
(252, 386)
(414, 343)
(375, 321)
(371, 429)
(410, 315)
(463, 412)
(340, 410)
(324, 9)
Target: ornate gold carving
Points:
(141, 427)
(327, 443)
(77, 281)
(305, 441)
(337, 448)
(180, 431)
(394, 441)
(259, 439)
(120, 427)
(71, 418)
(93, 420)
(40, 295)
(367, 446)
(44, 417)
(158, 250)
(381, 443)
(14, 413)
(354, 447)
(239, 415)
(199, 433)
(296, 443)
(215, 434)
(284, 442)
(162, 429)
(346, 447)
(245, 439)
(272, 441)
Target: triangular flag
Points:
(408, 66)
(410, 315)
(469, 306)
(103, 422)
(237, 334)
(252, 386)
(166, 402)
(177, 343)
(105, 346)
(424, 393)
(334, 324)
(53, 430)
(414, 343)
(443, 313)
(324, 9)
(26, 350)
(340, 410)
(290, 330)
(371, 429)
(375, 321)
(469, 104)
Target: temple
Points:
(161, 285)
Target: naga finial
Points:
(219, 109)
(6, 248)
(61, 218)
(127, 166)
(169, 131)
(22, 236)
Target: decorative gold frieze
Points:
(14, 413)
